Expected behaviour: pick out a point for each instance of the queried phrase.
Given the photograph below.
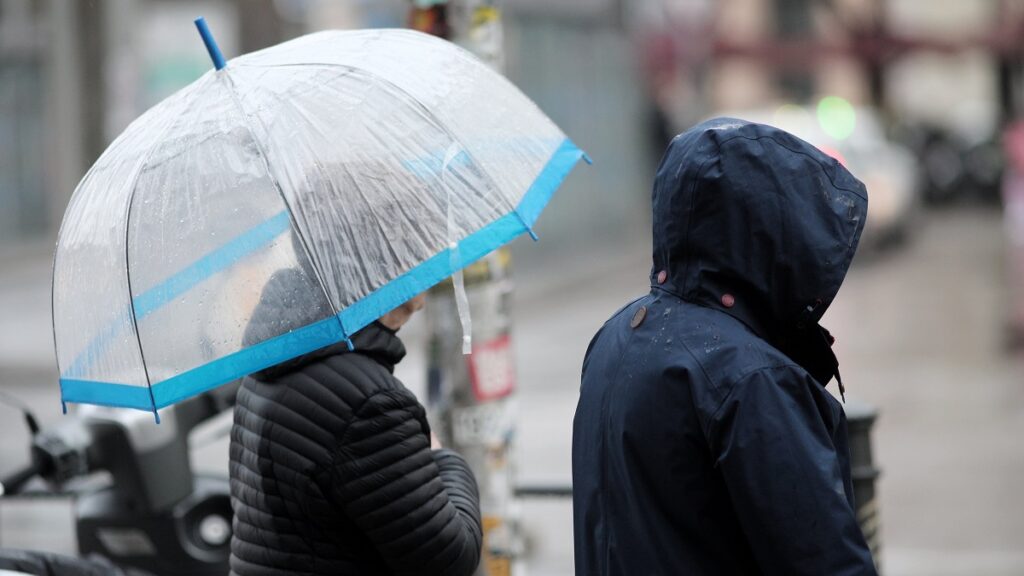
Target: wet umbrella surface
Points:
(355, 169)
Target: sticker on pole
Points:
(490, 424)
(491, 369)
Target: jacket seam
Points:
(687, 300)
(701, 170)
(732, 390)
(714, 382)
(604, 407)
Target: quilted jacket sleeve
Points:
(419, 507)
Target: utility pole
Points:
(471, 398)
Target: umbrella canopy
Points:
(282, 203)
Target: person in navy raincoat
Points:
(704, 441)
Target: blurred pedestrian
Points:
(332, 466)
(704, 441)
(1013, 223)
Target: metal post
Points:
(471, 399)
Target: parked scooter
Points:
(154, 515)
(26, 563)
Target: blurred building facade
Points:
(76, 73)
(955, 63)
(621, 77)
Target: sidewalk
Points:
(919, 336)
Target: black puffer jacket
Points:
(332, 472)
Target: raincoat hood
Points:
(761, 225)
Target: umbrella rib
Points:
(424, 110)
(53, 287)
(304, 116)
(228, 85)
(369, 205)
(351, 179)
(127, 231)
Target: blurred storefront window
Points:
(21, 167)
(22, 199)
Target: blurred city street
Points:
(922, 100)
(924, 346)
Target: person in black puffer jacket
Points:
(332, 470)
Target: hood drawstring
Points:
(839, 379)
(811, 347)
(835, 361)
(806, 320)
(807, 316)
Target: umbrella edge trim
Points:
(352, 319)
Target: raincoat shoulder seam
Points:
(743, 322)
(736, 383)
(701, 170)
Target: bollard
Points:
(860, 418)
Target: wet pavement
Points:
(923, 336)
(920, 335)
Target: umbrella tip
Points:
(211, 44)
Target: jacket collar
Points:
(378, 342)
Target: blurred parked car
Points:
(955, 167)
(854, 136)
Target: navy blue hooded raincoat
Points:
(704, 441)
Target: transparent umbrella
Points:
(284, 201)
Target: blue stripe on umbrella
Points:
(247, 360)
(214, 262)
(353, 318)
(106, 394)
(159, 295)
